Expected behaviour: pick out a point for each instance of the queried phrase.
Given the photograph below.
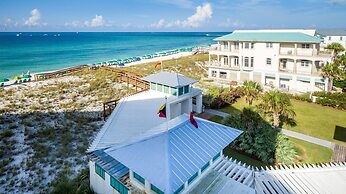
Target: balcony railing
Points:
(218, 64)
(305, 52)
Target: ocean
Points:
(46, 51)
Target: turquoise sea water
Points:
(39, 52)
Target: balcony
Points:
(217, 64)
(287, 51)
(222, 50)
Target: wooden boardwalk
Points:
(58, 73)
(339, 154)
(131, 79)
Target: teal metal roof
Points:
(269, 37)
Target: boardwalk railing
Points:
(129, 78)
(61, 72)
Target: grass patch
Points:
(311, 153)
(312, 119)
(216, 119)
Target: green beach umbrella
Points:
(27, 76)
(4, 80)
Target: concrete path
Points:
(216, 112)
(308, 138)
(301, 136)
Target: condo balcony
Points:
(303, 67)
(222, 49)
(309, 52)
(222, 65)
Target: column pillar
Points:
(199, 101)
(218, 73)
(251, 76)
(312, 84)
(326, 84)
(295, 49)
(168, 111)
(229, 61)
(147, 186)
(295, 66)
(218, 59)
(277, 80)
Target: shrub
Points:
(302, 97)
(220, 97)
(336, 100)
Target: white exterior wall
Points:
(98, 184)
(336, 39)
(293, 52)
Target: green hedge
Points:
(335, 100)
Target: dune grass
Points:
(183, 65)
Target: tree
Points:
(251, 90)
(336, 47)
(278, 106)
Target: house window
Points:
(99, 170)
(174, 91)
(236, 61)
(269, 61)
(217, 156)
(269, 45)
(223, 74)
(186, 89)
(213, 73)
(305, 46)
(246, 45)
(284, 64)
(236, 45)
(155, 189)
(166, 89)
(252, 45)
(153, 86)
(304, 63)
(205, 166)
(192, 178)
(330, 38)
(139, 178)
(119, 186)
(341, 38)
(159, 88)
(246, 61)
(251, 62)
(181, 91)
(179, 189)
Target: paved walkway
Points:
(301, 136)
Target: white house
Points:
(136, 150)
(290, 60)
(332, 35)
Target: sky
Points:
(169, 15)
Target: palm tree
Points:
(336, 47)
(332, 72)
(278, 106)
(251, 90)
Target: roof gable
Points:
(170, 158)
(170, 79)
(269, 37)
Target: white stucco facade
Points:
(290, 66)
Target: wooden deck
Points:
(339, 154)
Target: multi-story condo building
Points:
(290, 60)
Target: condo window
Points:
(246, 45)
(213, 73)
(236, 61)
(225, 45)
(246, 61)
(340, 37)
(304, 63)
(269, 61)
(223, 74)
(166, 89)
(269, 45)
(330, 38)
(252, 61)
(236, 45)
(252, 45)
(305, 46)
